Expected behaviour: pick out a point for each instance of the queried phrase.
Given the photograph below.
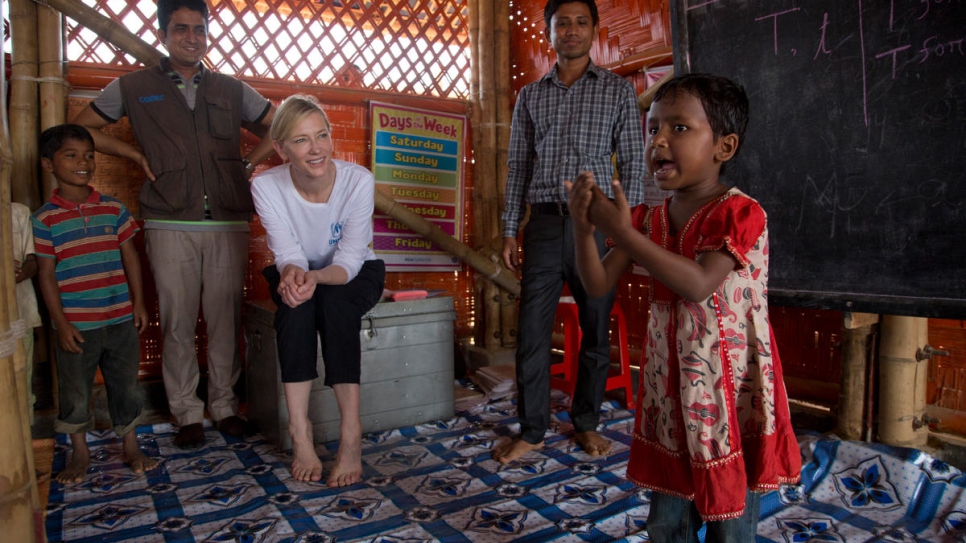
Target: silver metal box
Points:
(407, 370)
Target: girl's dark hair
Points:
(53, 138)
(725, 102)
(553, 5)
(167, 7)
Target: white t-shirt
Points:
(312, 235)
(23, 245)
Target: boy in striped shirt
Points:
(90, 278)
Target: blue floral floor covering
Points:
(437, 482)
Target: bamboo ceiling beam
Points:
(108, 29)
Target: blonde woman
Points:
(317, 212)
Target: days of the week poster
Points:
(417, 159)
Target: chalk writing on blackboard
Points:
(857, 142)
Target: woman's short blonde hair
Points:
(291, 112)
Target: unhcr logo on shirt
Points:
(151, 98)
(336, 232)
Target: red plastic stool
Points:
(566, 370)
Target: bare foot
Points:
(80, 459)
(514, 450)
(306, 465)
(134, 457)
(348, 464)
(592, 443)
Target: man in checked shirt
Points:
(575, 118)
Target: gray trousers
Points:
(210, 268)
(548, 263)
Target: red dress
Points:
(712, 417)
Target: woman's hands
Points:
(296, 285)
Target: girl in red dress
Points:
(712, 428)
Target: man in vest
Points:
(195, 205)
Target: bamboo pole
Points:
(473, 22)
(111, 31)
(19, 506)
(486, 181)
(502, 92)
(23, 103)
(489, 269)
(509, 315)
(24, 157)
(53, 86)
(858, 346)
(902, 381)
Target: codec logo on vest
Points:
(151, 98)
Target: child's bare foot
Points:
(348, 464)
(306, 466)
(593, 443)
(75, 471)
(514, 450)
(134, 457)
(80, 460)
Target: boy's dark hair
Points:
(167, 7)
(53, 138)
(725, 102)
(553, 5)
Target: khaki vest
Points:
(192, 153)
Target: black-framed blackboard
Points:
(857, 143)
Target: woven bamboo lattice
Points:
(418, 47)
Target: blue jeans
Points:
(676, 520)
(115, 349)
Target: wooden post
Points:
(485, 174)
(509, 314)
(858, 343)
(902, 388)
(53, 86)
(23, 103)
(19, 502)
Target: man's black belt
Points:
(550, 208)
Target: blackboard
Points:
(856, 146)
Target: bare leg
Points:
(133, 456)
(80, 459)
(306, 465)
(593, 443)
(348, 461)
(513, 450)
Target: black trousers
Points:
(548, 263)
(334, 315)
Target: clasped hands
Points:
(591, 209)
(296, 285)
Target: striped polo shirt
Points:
(85, 239)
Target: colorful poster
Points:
(417, 158)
